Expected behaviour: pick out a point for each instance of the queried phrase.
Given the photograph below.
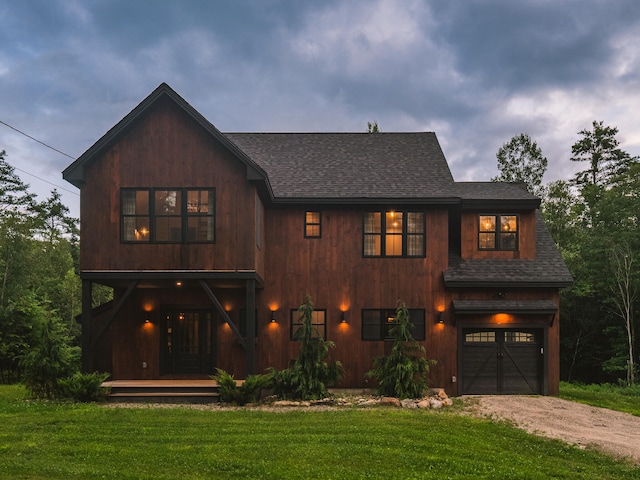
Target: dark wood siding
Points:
(526, 236)
(167, 149)
(333, 271)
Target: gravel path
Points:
(613, 432)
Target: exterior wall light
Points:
(343, 317)
(440, 318)
(273, 316)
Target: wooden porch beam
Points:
(223, 313)
(87, 350)
(250, 308)
(114, 312)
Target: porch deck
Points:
(164, 391)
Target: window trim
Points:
(184, 215)
(382, 233)
(308, 224)
(419, 332)
(497, 232)
(295, 324)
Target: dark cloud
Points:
(475, 72)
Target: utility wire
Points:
(48, 146)
(36, 140)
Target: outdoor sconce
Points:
(343, 318)
(273, 316)
(146, 318)
(440, 318)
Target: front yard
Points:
(62, 440)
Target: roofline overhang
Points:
(505, 284)
(364, 201)
(497, 204)
(111, 275)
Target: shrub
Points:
(84, 387)
(402, 373)
(248, 392)
(311, 372)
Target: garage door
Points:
(501, 361)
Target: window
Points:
(394, 234)
(168, 215)
(498, 232)
(313, 225)
(377, 323)
(318, 322)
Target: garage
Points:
(501, 361)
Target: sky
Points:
(475, 72)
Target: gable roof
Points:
(351, 166)
(547, 269)
(331, 167)
(74, 173)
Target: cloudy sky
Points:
(477, 72)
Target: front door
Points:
(502, 361)
(188, 342)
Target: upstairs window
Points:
(394, 234)
(168, 215)
(377, 323)
(312, 225)
(498, 232)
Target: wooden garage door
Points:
(501, 361)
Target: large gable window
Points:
(394, 234)
(498, 232)
(168, 215)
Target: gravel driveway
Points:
(613, 432)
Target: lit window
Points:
(313, 225)
(394, 234)
(498, 232)
(168, 215)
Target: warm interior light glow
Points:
(178, 283)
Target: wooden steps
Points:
(163, 391)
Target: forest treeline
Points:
(593, 218)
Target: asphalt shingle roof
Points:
(350, 165)
(547, 269)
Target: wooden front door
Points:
(188, 343)
(502, 361)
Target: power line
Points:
(47, 181)
(48, 146)
(36, 140)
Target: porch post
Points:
(87, 310)
(250, 304)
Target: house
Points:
(211, 241)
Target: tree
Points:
(373, 127)
(624, 295)
(599, 148)
(311, 372)
(521, 160)
(402, 373)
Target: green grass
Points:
(62, 440)
(623, 399)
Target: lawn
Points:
(63, 440)
(623, 399)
